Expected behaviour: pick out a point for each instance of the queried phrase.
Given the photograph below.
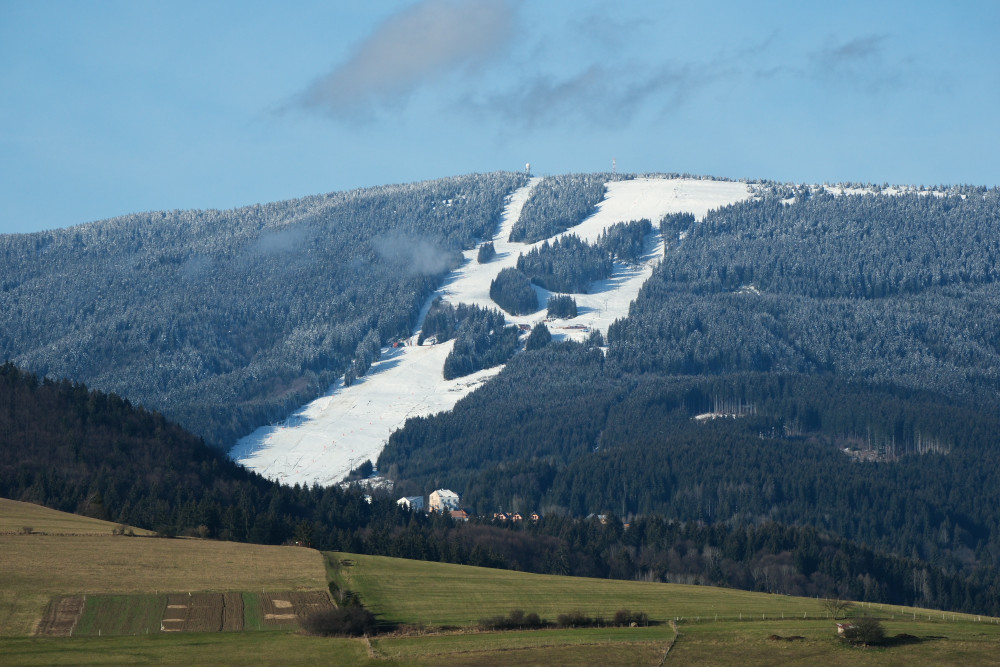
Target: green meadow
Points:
(429, 612)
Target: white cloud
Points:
(414, 47)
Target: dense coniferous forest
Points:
(578, 435)
(895, 289)
(225, 320)
(556, 204)
(512, 291)
(566, 265)
(539, 337)
(626, 241)
(74, 449)
(561, 305)
(482, 340)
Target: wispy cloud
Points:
(854, 52)
(416, 46)
(599, 94)
(860, 62)
(419, 256)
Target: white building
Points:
(414, 503)
(443, 500)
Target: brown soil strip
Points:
(308, 602)
(61, 616)
(275, 607)
(202, 612)
(232, 612)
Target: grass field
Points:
(121, 615)
(441, 594)
(717, 626)
(279, 647)
(36, 567)
(127, 580)
(16, 516)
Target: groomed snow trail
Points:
(324, 440)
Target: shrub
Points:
(514, 620)
(625, 618)
(866, 631)
(577, 619)
(351, 621)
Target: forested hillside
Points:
(74, 449)
(899, 289)
(558, 203)
(226, 320)
(846, 344)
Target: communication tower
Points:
(614, 170)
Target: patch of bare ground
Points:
(61, 616)
(277, 610)
(232, 612)
(200, 612)
(308, 602)
(290, 608)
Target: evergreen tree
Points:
(539, 337)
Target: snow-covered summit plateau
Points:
(324, 440)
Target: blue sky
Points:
(115, 107)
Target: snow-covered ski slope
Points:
(324, 440)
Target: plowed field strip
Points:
(201, 612)
(309, 602)
(61, 617)
(232, 612)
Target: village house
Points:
(413, 503)
(443, 500)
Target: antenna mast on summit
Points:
(614, 170)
